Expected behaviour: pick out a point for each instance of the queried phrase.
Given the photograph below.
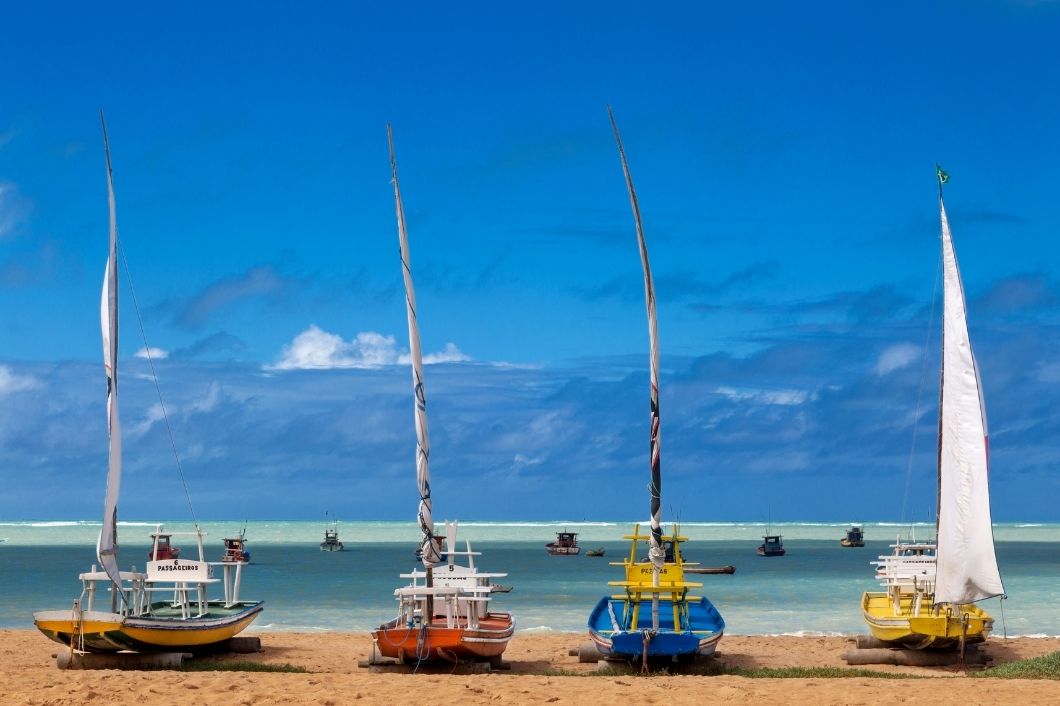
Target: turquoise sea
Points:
(815, 589)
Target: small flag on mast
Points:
(943, 176)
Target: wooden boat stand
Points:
(73, 659)
(869, 650)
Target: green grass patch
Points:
(717, 669)
(811, 673)
(1044, 667)
(239, 666)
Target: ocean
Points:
(815, 589)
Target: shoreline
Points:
(541, 671)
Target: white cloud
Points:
(451, 354)
(10, 382)
(14, 208)
(152, 352)
(785, 398)
(896, 357)
(151, 417)
(316, 349)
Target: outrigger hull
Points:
(928, 630)
(699, 639)
(438, 642)
(100, 631)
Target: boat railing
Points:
(133, 598)
(456, 603)
(187, 580)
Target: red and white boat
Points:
(461, 628)
(444, 613)
(162, 548)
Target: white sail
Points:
(429, 553)
(107, 545)
(966, 566)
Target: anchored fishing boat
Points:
(165, 607)
(566, 544)
(443, 614)
(236, 548)
(855, 537)
(932, 587)
(772, 545)
(654, 615)
(162, 547)
(331, 541)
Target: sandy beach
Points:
(28, 676)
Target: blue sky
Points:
(783, 155)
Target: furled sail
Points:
(107, 545)
(429, 553)
(966, 566)
(655, 550)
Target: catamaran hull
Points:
(440, 643)
(701, 640)
(927, 630)
(110, 632)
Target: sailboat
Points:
(932, 587)
(655, 615)
(443, 614)
(165, 607)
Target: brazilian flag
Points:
(943, 176)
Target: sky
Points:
(783, 156)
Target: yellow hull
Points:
(930, 628)
(110, 632)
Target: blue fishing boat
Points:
(654, 616)
(630, 625)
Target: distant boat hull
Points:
(332, 547)
(705, 630)
(554, 550)
(397, 640)
(111, 632)
(851, 542)
(926, 630)
(762, 551)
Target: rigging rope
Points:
(154, 378)
(919, 394)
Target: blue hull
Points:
(698, 634)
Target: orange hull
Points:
(439, 642)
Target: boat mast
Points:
(942, 177)
(107, 544)
(655, 550)
(429, 554)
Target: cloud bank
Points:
(316, 349)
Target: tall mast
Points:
(655, 550)
(429, 554)
(107, 545)
(942, 178)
